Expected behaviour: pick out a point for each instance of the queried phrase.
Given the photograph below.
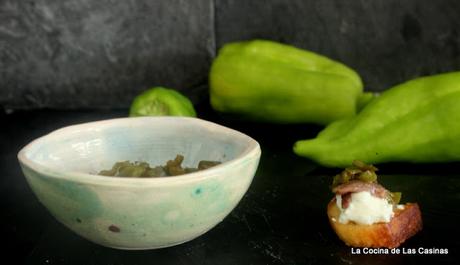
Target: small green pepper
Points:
(273, 82)
(417, 121)
(160, 101)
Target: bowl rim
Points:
(251, 151)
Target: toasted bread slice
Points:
(404, 224)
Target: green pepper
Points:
(358, 171)
(273, 82)
(395, 197)
(417, 121)
(160, 101)
(365, 99)
(366, 173)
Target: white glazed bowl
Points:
(140, 213)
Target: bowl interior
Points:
(91, 147)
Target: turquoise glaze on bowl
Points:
(140, 213)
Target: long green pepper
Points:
(269, 81)
(417, 121)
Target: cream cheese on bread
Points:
(365, 209)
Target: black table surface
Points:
(281, 219)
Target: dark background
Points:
(70, 61)
(101, 53)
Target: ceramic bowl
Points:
(140, 213)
